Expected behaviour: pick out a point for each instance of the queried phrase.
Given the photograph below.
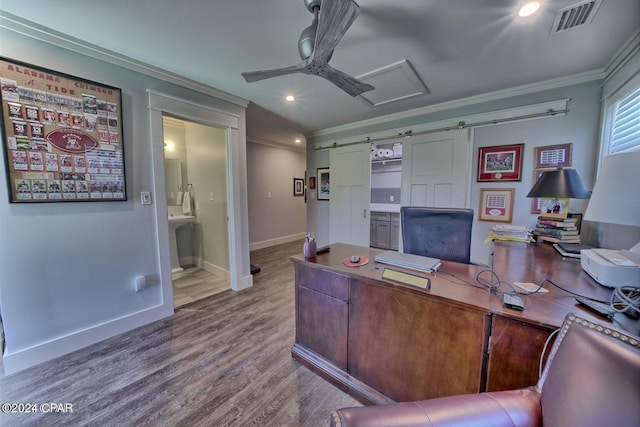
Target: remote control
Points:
(596, 307)
(512, 301)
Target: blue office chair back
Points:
(443, 233)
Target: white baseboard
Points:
(277, 241)
(215, 269)
(23, 359)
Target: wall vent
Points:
(576, 15)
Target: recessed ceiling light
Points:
(297, 141)
(529, 8)
(290, 98)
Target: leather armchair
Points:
(592, 378)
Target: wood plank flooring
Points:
(222, 361)
(195, 284)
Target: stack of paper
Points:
(515, 233)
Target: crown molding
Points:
(623, 56)
(39, 32)
(472, 100)
(298, 148)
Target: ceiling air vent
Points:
(575, 16)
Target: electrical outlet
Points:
(391, 198)
(212, 196)
(145, 197)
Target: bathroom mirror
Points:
(173, 180)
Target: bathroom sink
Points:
(175, 222)
(180, 220)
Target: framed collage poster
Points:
(62, 136)
(496, 204)
(553, 156)
(500, 163)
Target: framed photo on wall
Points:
(298, 186)
(62, 136)
(551, 156)
(500, 163)
(496, 204)
(324, 187)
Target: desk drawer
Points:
(325, 282)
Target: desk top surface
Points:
(468, 284)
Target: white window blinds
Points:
(625, 127)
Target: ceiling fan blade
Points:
(254, 76)
(344, 81)
(336, 16)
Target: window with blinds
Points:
(625, 124)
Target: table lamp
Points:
(559, 184)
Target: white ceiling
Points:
(458, 48)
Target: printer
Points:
(612, 268)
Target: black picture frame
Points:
(298, 187)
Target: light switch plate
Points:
(145, 197)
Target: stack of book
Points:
(557, 230)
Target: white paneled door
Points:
(350, 194)
(435, 169)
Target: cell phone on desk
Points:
(512, 301)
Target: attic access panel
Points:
(392, 83)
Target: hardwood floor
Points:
(222, 361)
(195, 284)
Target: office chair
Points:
(443, 233)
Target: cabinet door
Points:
(394, 236)
(372, 233)
(382, 234)
(322, 323)
(516, 348)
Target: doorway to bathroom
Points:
(195, 160)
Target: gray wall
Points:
(281, 217)
(206, 162)
(68, 268)
(580, 127)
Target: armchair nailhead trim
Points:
(336, 419)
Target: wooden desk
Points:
(383, 341)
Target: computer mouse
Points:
(355, 259)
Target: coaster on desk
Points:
(363, 260)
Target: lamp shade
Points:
(561, 184)
(616, 195)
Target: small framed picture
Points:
(312, 183)
(496, 204)
(298, 187)
(324, 188)
(551, 156)
(554, 208)
(500, 163)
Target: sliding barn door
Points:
(350, 194)
(435, 169)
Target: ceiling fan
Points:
(331, 20)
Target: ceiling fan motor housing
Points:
(311, 4)
(307, 39)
